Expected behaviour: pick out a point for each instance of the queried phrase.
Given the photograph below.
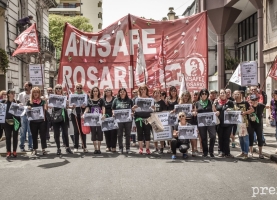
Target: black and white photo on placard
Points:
(166, 134)
(57, 101)
(35, 113)
(78, 100)
(92, 119)
(172, 119)
(17, 109)
(109, 124)
(206, 119)
(185, 108)
(232, 117)
(144, 104)
(3, 108)
(123, 115)
(187, 132)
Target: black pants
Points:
(57, 133)
(127, 126)
(224, 133)
(96, 133)
(47, 131)
(1, 131)
(143, 131)
(176, 143)
(11, 133)
(38, 127)
(111, 138)
(77, 131)
(204, 137)
(259, 132)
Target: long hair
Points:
(35, 89)
(118, 94)
(170, 90)
(58, 86)
(91, 92)
(182, 97)
(143, 86)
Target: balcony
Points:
(66, 9)
(45, 44)
(3, 6)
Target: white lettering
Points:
(255, 191)
(67, 73)
(87, 45)
(133, 42)
(71, 45)
(91, 77)
(103, 42)
(119, 76)
(263, 188)
(79, 69)
(271, 190)
(120, 38)
(106, 78)
(146, 41)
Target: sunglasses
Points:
(79, 88)
(181, 116)
(57, 89)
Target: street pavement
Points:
(133, 176)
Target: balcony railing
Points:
(66, 6)
(3, 4)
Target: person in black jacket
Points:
(12, 125)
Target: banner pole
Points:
(131, 54)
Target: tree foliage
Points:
(57, 23)
(4, 61)
(231, 63)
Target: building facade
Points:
(91, 9)
(18, 72)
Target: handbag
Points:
(85, 129)
(155, 122)
(242, 130)
(56, 116)
(10, 121)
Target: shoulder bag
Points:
(56, 116)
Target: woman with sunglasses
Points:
(39, 125)
(123, 102)
(63, 125)
(204, 105)
(159, 107)
(176, 142)
(171, 101)
(96, 105)
(191, 119)
(223, 130)
(76, 122)
(111, 135)
(11, 129)
(143, 128)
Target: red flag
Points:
(273, 72)
(27, 41)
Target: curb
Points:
(272, 157)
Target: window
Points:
(100, 4)
(247, 28)
(100, 26)
(100, 15)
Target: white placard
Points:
(144, 104)
(109, 124)
(134, 128)
(232, 117)
(35, 74)
(35, 113)
(186, 108)
(249, 74)
(123, 115)
(172, 119)
(57, 101)
(3, 108)
(78, 99)
(92, 119)
(164, 135)
(187, 132)
(163, 116)
(17, 109)
(206, 119)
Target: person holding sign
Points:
(177, 142)
(123, 102)
(159, 107)
(204, 105)
(38, 126)
(143, 128)
(63, 125)
(12, 125)
(223, 130)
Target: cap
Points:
(253, 97)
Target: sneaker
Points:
(75, 150)
(221, 155)
(204, 155)
(14, 154)
(148, 151)
(219, 152)
(34, 152)
(155, 150)
(108, 149)
(261, 156)
(245, 157)
(99, 152)
(140, 150)
(68, 150)
(229, 156)
(22, 150)
(211, 155)
(194, 154)
(85, 150)
(95, 152)
(128, 151)
(133, 144)
(59, 151)
(161, 151)
(30, 149)
(241, 155)
(185, 156)
(8, 154)
(120, 151)
(233, 145)
(173, 157)
(169, 151)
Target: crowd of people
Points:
(251, 107)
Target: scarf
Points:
(37, 101)
(222, 102)
(204, 103)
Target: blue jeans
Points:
(25, 127)
(244, 144)
(255, 136)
